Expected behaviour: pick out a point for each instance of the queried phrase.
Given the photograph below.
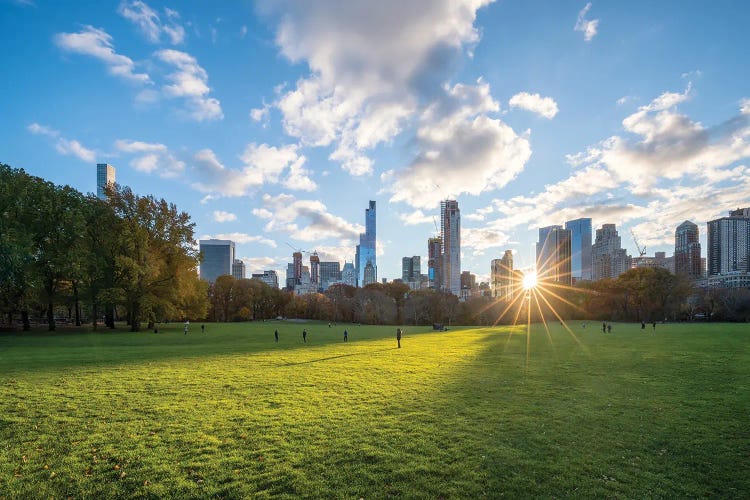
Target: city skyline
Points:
(276, 123)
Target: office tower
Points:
(349, 274)
(291, 280)
(369, 275)
(729, 244)
(218, 257)
(450, 229)
(315, 270)
(580, 248)
(297, 266)
(553, 255)
(608, 258)
(105, 175)
(411, 269)
(434, 262)
(270, 278)
(238, 269)
(330, 274)
(468, 280)
(501, 276)
(687, 250)
(366, 249)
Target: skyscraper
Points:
(501, 276)
(729, 244)
(330, 273)
(238, 269)
(434, 262)
(366, 248)
(450, 229)
(608, 258)
(580, 248)
(411, 269)
(687, 250)
(105, 175)
(553, 255)
(315, 270)
(270, 278)
(349, 274)
(218, 257)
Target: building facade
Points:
(330, 274)
(687, 251)
(218, 257)
(434, 263)
(609, 259)
(367, 247)
(238, 269)
(450, 226)
(580, 248)
(270, 278)
(105, 175)
(553, 255)
(728, 244)
(411, 269)
(349, 274)
(502, 280)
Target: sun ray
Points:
(506, 310)
(562, 321)
(528, 330)
(544, 321)
(563, 299)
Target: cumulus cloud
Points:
(304, 220)
(745, 106)
(374, 65)
(150, 24)
(241, 238)
(222, 216)
(415, 217)
(585, 26)
(97, 43)
(151, 158)
(482, 238)
(543, 106)
(66, 147)
(189, 81)
(264, 164)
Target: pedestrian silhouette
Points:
(654, 324)
(276, 335)
(604, 327)
(203, 328)
(609, 328)
(643, 325)
(346, 336)
(304, 336)
(398, 337)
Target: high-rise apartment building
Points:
(411, 269)
(105, 175)
(315, 270)
(435, 262)
(349, 274)
(270, 278)
(218, 257)
(580, 248)
(450, 228)
(553, 255)
(330, 274)
(296, 269)
(502, 276)
(687, 250)
(609, 259)
(366, 249)
(370, 275)
(238, 269)
(729, 244)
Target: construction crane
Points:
(641, 250)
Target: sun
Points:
(529, 280)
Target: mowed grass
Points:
(461, 414)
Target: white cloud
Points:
(543, 106)
(67, 147)
(151, 157)
(745, 106)
(222, 216)
(585, 26)
(241, 238)
(97, 43)
(264, 164)
(149, 23)
(304, 220)
(260, 114)
(623, 100)
(189, 81)
(415, 217)
(482, 238)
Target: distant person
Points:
(398, 337)
(186, 326)
(276, 336)
(604, 327)
(203, 328)
(304, 336)
(654, 325)
(346, 336)
(584, 326)
(643, 325)
(609, 328)
(329, 325)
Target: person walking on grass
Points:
(604, 327)
(186, 326)
(654, 325)
(398, 337)
(609, 328)
(346, 336)
(304, 336)
(276, 336)
(203, 328)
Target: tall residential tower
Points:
(450, 228)
(687, 251)
(366, 249)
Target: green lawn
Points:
(460, 414)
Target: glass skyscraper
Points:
(218, 257)
(580, 248)
(366, 249)
(450, 228)
(105, 174)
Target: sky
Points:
(272, 123)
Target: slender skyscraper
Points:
(435, 262)
(366, 249)
(687, 250)
(450, 228)
(105, 175)
(580, 248)
(553, 255)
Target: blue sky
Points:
(274, 123)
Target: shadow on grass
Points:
(339, 356)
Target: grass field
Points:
(461, 414)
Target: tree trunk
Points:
(95, 314)
(135, 320)
(109, 317)
(25, 320)
(77, 306)
(50, 316)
